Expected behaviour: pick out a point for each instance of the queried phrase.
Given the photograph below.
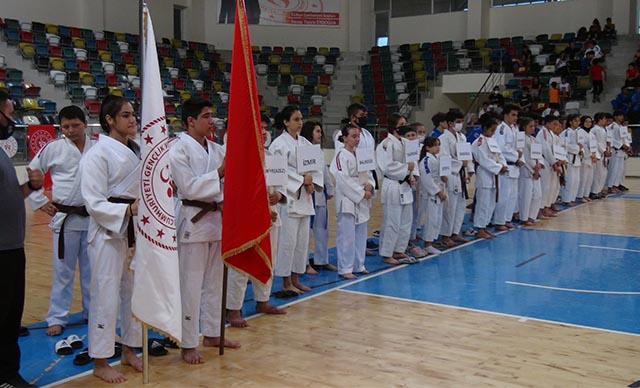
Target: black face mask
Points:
(362, 121)
(7, 130)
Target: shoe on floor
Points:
(16, 381)
(24, 331)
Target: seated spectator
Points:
(581, 35)
(496, 100)
(526, 100)
(554, 95)
(622, 101)
(571, 51)
(632, 76)
(535, 87)
(562, 65)
(595, 30)
(609, 30)
(635, 100)
(565, 90)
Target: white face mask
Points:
(421, 138)
(267, 138)
(457, 127)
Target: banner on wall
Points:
(324, 13)
(38, 136)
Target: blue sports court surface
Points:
(574, 278)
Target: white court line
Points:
(609, 248)
(574, 289)
(520, 317)
(578, 232)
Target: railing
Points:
(487, 86)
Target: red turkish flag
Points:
(246, 217)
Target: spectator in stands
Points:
(635, 100)
(496, 100)
(581, 35)
(571, 51)
(554, 96)
(623, 100)
(525, 100)
(565, 90)
(586, 62)
(632, 79)
(609, 30)
(484, 109)
(535, 87)
(439, 123)
(595, 30)
(562, 65)
(525, 60)
(597, 79)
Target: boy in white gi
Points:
(574, 153)
(589, 160)
(237, 281)
(461, 170)
(549, 181)
(197, 169)
(506, 137)
(354, 191)
(599, 171)
(70, 219)
(417, 210)
(109, 180)
(293, 239)
(432, 193)
(529, 190)
(357, 115)
(491, 163)
(617, 135)
(396, 198)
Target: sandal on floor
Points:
(285, 294)
(156, 348)
(63, 348)
(74, 341)
(82, 358)
(416, 252)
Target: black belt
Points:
(463, 181)
(406, 179)
(131, 237)
(512, 163)
(77, 210)
(205, 206)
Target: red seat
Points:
(169, 109)
(325, 79)
(55, 51)
(83, 65)
(293, 99)
(112, 80)
(316, 110)
(93, 107)
(178, 83)
(76, 32)
(26, 36)
(101, 45)
(127, 58)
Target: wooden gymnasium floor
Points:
(348, 339)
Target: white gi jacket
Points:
(350, 186)
(506, 137)
(299, 202)
(601, 138)
(195, 173)
(570, 138)
(489, 163)
(61, 158)
(320, 198)
(390, 156)
(547, 139)
(366, 140)
(529, 164)
(448, 147)
(430, 183)
(109, 169)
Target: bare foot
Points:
(191, 356)
(459, 239)
(448, 242)
(129, 358)
(104, 371)
(268, 308)
(215, 343)
(482, 233)
(390, 260)
(235, 319)
(555, 208)
(54, 330)
(363, 272)
(501, 228)
(301, 286)
(310, 270)
(292, 288)
(528, 223)
(330, 267)
(510, 225)
(348, 275)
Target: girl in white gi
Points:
(354, 191)
(506, 137)
(599, 171)
(574, 154)
(549, 180)
(70, 219)
(529, 190)
(197, 168)
(589, 160)
(421, 133)
(293, 239)
(396, 198)
(237, 281)
(491, 164)
(461, 170)
(432, 193)
(312, 131)
(110, 175)
(619, 147)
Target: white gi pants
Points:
(201, 271)
(433, 209)
(75, 251)
(111, 285)
(320, 237)
(572, 183)
(351, 244)
(237, 282)
(546, 174)
(530, 195)
(507, 199)
(395, 228)
(453, 212)
(485, 206)
(418, 210)
(599, 173)
(616, 169)
(293, 244)
(586, 180)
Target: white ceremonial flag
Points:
(156, 292)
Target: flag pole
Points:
(223, 316)
(141, 47)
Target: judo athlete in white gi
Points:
(574, 153)
(69, 217)
(589, 160)
(197, 169)
(432, 193)
(461, 171)
(599, 170)
(508, 183)
(293, 239)
(421, 133)
(237, 281)
(529, 189)
(312, 131)
(549, 180)
(109, 179)
(490, 164)
(617, 135)
(357, 114)
(396, 198)
(354, 191)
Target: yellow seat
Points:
(131, 69)
(506, 93)
(322, 89)
(323, 51)
(120, 36)
(199, 54)
(358, 98)
(481, 43)
(168, 62)
(185, 95)
(285, 69)
(175, 124)
(414, 47)
(274, 59)
(51, 29)
(27, 50)
(555, 37)
(176, 43)
(417, 66)
(193, 73)
(255, 49)
(222, 66)
(216, 85)
(115, 91)
(30, 103)
(105, 56)
(423, 85)
(421, 74)
(78, 42)
(299, 79)
(86, 78)
(560, 47)
(56, 63)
